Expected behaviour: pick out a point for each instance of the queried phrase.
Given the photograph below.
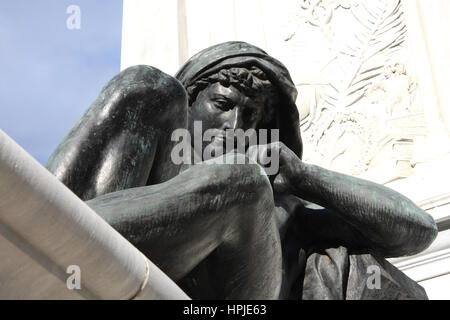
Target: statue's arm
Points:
(383, 219)
(388, 220)
(180, 222)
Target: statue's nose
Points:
(234, 118)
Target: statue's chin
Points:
(213, 150)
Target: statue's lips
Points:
(224, 138)
(220, 135)
(221, 140)
(227, 142)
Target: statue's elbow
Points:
(415, 240)
(429, 234)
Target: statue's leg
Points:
(223, 214)
(123, 139)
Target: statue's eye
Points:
(223, 104)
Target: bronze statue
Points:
(224, 231)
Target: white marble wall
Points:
(372, 81)
(150, 34)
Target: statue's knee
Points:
(145, 93)
(247, 180)
(252, 196)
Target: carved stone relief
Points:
(359, 110)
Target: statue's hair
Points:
(251, 81)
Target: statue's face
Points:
(220, 108)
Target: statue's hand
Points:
(281, 164)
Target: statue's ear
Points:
(287, 120)
(270, 124)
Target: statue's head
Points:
(233, 98)
(235, 85)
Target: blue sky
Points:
(49, 73)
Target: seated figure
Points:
(224, 231)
